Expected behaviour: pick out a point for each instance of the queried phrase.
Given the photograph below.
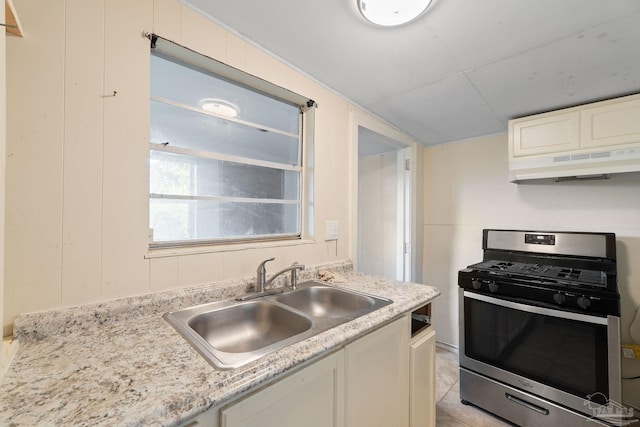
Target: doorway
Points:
(383, 242)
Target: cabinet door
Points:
(422, 356)
(312, 397)
(206, 419)
(547, 133)
(611, 123)
(377, 378)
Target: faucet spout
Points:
(293, 269)
(261, 275)
(261, 280)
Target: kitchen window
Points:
(226, 153)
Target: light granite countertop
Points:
(120, 363)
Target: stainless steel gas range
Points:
(540, 328)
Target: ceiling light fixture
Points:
(390, 13)
(219, 106)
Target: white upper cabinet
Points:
(593, 139)
(548, 133)
(611, 123)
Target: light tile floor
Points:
(449, 411)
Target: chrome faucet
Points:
(261, 280)
(294, 277)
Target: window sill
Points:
(173, 252)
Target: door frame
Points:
(408, 150)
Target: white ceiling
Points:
(464, 68)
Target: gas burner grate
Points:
(547, 273)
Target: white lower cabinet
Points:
(311, 397)
(377, 377)
(364, 384)
(422, 359)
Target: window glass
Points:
(186, 85)
(178, 127)
(225, 160)
(182, 175)
(177, 220)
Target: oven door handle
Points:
(538, 310)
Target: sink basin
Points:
(325, 301)
(248, 327)
(230, 334)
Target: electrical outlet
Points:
(331, 230)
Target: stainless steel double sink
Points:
(229, 334)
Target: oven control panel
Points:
(540, 239)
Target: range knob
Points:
(493, 286)
(476, 283)
(583, 302)
(559, 298)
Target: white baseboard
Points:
(446, 346)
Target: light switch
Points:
(331, 230)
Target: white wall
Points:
(3, 143)
(378, 215)
(467, 189)
(77, 214)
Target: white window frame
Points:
(169, 50)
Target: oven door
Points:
(568, 358)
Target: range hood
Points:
(594, 164)
(591, 140)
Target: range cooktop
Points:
(570, 276)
